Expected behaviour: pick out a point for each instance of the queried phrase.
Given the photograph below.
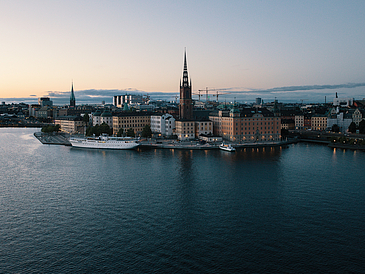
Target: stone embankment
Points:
(52, 138)
(194, 145)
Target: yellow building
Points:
(248, 125)
(137, 121)
(318, 122)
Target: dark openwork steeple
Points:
(186, 103)
(72, 97)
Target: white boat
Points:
(105, 142)
(227, 147)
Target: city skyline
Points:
(291, 51)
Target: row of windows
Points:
(268, 123)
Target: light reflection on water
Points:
(62, 209)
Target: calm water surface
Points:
(67, 210)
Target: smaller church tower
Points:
(72, 97)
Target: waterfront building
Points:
(185, 130)
(287, 124)
(319, 122)
(162, 124)
(71, 124)
(135, 120)
(203, 127)
(307, 121)
(299, 121)
(72, 97)
(248, 125)
(342, 119)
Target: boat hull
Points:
(104, 144)
(228, 148)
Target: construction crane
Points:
(206, 93)
(222, 93)
(176, 96)
(198, 94)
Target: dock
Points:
(52, 138)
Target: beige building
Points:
(318, 122)
(185, 129)
(71, 124)
(248, 125)
(137, 121)
(299, 121)
(203, 127)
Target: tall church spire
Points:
(72, 97)
(186, 103)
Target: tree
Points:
(352, 127)
(335, 128)
(120, 132)
(98, 130)
(130, 132)
(86, 118)
(362, 127)
(284, 132)
(51, 128)
(146, 132)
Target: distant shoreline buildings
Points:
(191, 119)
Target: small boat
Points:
(105, 142)
(227, 147)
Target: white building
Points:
(129, 99)
(342, 120)
(163, 124)
(343, 102)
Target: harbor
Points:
(63, 139)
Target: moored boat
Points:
(227, 147)
(105, 142)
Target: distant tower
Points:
(72, 97)
(186, 102)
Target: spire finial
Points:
(185, 62)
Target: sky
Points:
(289, 50)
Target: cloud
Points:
(313, 93)
(289, 89)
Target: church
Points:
(188, 128)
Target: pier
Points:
(52, 138)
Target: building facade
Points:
(203, 127)
(136, 121)
(71, 124)
(185, 130)
(129, 99)
(163, 124)
(249, 125)
(319, 122)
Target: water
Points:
(67, 210)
